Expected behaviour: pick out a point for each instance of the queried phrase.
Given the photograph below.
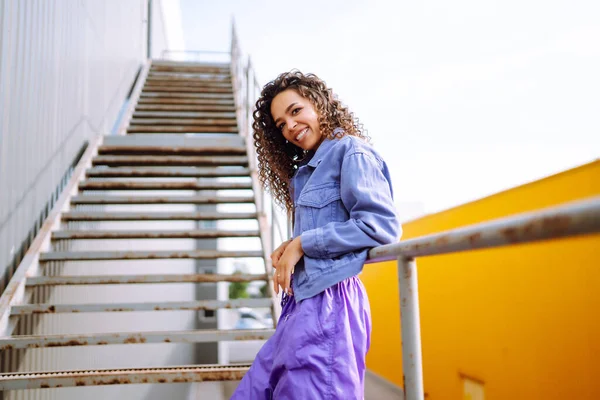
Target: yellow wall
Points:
(524, 320)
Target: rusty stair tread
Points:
(196, 305)
(169, 144)
(154, 234)
(108, 184)
(203, 76)
(188, 82)
(185, 107)
(190, 63)
(218, 121)
(164, 172)
(190, 68)
(154, 216)
(182, 129)
(165, 87)
(53, 379)
(111, 338)
(130, 160)
(148, 87)
(140, 279)
(183, 115)
(147, 255)
(114, 199)
(174, 94)
(179, 101)
(185, 121)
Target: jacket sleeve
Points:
(366, 192)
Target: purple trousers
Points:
(318, 349)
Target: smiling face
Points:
(297, 119)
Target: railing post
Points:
(412, 363)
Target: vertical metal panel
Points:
(65, 69)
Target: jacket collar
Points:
(323, 148)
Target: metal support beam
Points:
(412, 363)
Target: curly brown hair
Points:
(277, 159)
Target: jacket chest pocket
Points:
(318, 206)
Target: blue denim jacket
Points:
(343, 207)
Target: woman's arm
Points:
(366, 192)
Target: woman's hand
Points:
(276, 255)
(285, 264)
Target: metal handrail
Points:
(568, 220)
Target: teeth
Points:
(301, 135)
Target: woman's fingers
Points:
(276, 255)
(286, 278)
(276, 282)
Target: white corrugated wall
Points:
(66, 67)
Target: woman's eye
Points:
(296, 111)
(280, 127)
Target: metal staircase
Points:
(182, 148)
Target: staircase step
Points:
(147, 255)
(166, 101)
(170, 160)
(25, 309)
(185, 121)
(190, 68)
(190, 64)
(140, 234)
(183, 115)
(183, 107)
(141, 279)
(188, 82)
(109, 199)
(95, 339)
(212, 96)
(205, 76)
(182, 129)
(154, 216)
(173, 145)
(103, 184)
(149, 87)
(55, 379)
(166, 172)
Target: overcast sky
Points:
(463, 99)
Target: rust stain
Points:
(80, 383)
(406, 271)
(250, 337)
(69, 343)
(474, 238)
(134, 339)
(162, 380)
(510, 234)
(529, 229)
(102, 343)
(558, 224)
(44, 386)
(6, 347)
(442, 241)
(167, 340)
(52, 309)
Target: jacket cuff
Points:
(312, 243)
